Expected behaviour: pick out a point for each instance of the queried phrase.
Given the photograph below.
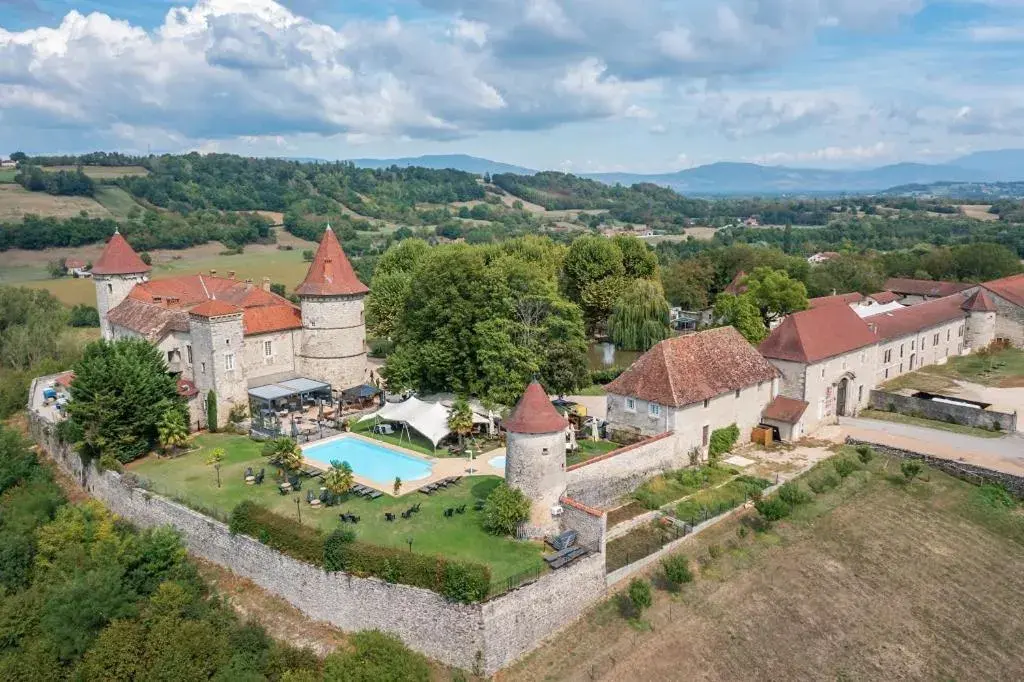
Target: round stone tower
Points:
(333, 346)
(114, 275)
(535, 457)
(980, 329)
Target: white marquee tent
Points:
(429, 419)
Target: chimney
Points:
(873, 327)
(248, 280)
(231, 274)
(266, 284)
(213, 273)
(157, 299)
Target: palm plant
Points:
(284, 453)
(172, 431)
(460, 420)
(339, 478)
(215, 459)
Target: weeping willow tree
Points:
(640, 316)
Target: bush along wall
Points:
(459, 581)
(723, 440)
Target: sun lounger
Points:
(573, 554)
(374, 494)
(427, 490)
(564, 540)
(550, 558)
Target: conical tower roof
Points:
(979, 302)
(330, 273)
(118, 258)
(534, 413)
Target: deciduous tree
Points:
(640, 317)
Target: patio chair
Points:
(281, 489)
(416, 508)
(259, 477)
(247, 474)
(296, 483)
(406, 514)
(309, 496)
(353, 518)
(449, 512)
(461, 509)
(388, 516)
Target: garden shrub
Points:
(376, 656)
(722, 440)
(607, 375)
(677, 570)
(997, 496)
(772, 509)
(792, 494)
(910, 469)
(211, 411)
(714, 550)
(505, 509)
(865, 454)
(640, 594)
(844, 466)
(823, 482)
(340, 551)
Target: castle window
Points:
(544, 452)
(268, 348)
(935, 340)
(887, 357)
(229, 361)
(202, 367)
(737, 393)
(110, 288)
(654, 409)
(188, 352)
(707, 402)
(947, 334)
(630, 405)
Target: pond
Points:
(601, 355)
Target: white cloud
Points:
(474, 32)
(996, 33)
(825, 155)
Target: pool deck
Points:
(441, 467)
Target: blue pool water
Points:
(497, 462)
(370, 460)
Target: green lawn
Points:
(115, 200)
(930, 423)
(7, 174)
(411, 440)
(595, 389)
(189, 479)
(588, 449)
(714, 501)
(676, 485)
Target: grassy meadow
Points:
(190, 479)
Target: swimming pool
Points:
(497, 462)
(369, 460)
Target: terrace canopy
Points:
(429, 419)
(290, 395)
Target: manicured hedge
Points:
(457, 580)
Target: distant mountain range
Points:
(1003, 165)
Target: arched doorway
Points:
(913, 356)
(844, 386)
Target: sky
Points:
(575, 85)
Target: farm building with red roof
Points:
(228, 335)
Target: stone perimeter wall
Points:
(968, 472)
(931, 409)
(600, 481)
(488, 635)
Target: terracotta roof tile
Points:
(979, 302)
(883, 297)
(118, 258)
(273, 318)
(330, 273)
(785, 410)
(688, 369)
(812, 335)
(1011, 288)
(847, 299)
(534, 413)
(924, 287)
(150, 320)
(215, 308)
(916, 318)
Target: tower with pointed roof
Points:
(535, 457)
(980, 328)
(333, 343)
(118, 269)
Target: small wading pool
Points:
(497, 462)
(369, 460)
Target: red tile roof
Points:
(883, 297)
(979, 302)
(924, 287)
(534, 413)
(157, 307)
(1010, 288)
(812, 335)
(785, 410)
(737, 286)
(330, 273)
(844, 299)
(118, 258)
(187, 389)
(688, 369)
(215, 308)
(916, 318)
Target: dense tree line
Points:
(90, 159)
(86, 597)
(61, 183)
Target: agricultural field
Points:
(7, 174)
(875, 579)
(116, 200)
(105, 172)
(16, 201)
(978, 211)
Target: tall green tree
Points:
(460, 419)
(593, 276)
(775, 294)
(339, 478)
(741, 313)
(172, 429)
(638, 260)
(640, 317)
(120, 393)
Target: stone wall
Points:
(600, 481)
(483, 636)
(1009, 320)
(535, 464)
(944, 412)
(590, 524)
(968, 472)
(332, 346)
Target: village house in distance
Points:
(227, 335)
